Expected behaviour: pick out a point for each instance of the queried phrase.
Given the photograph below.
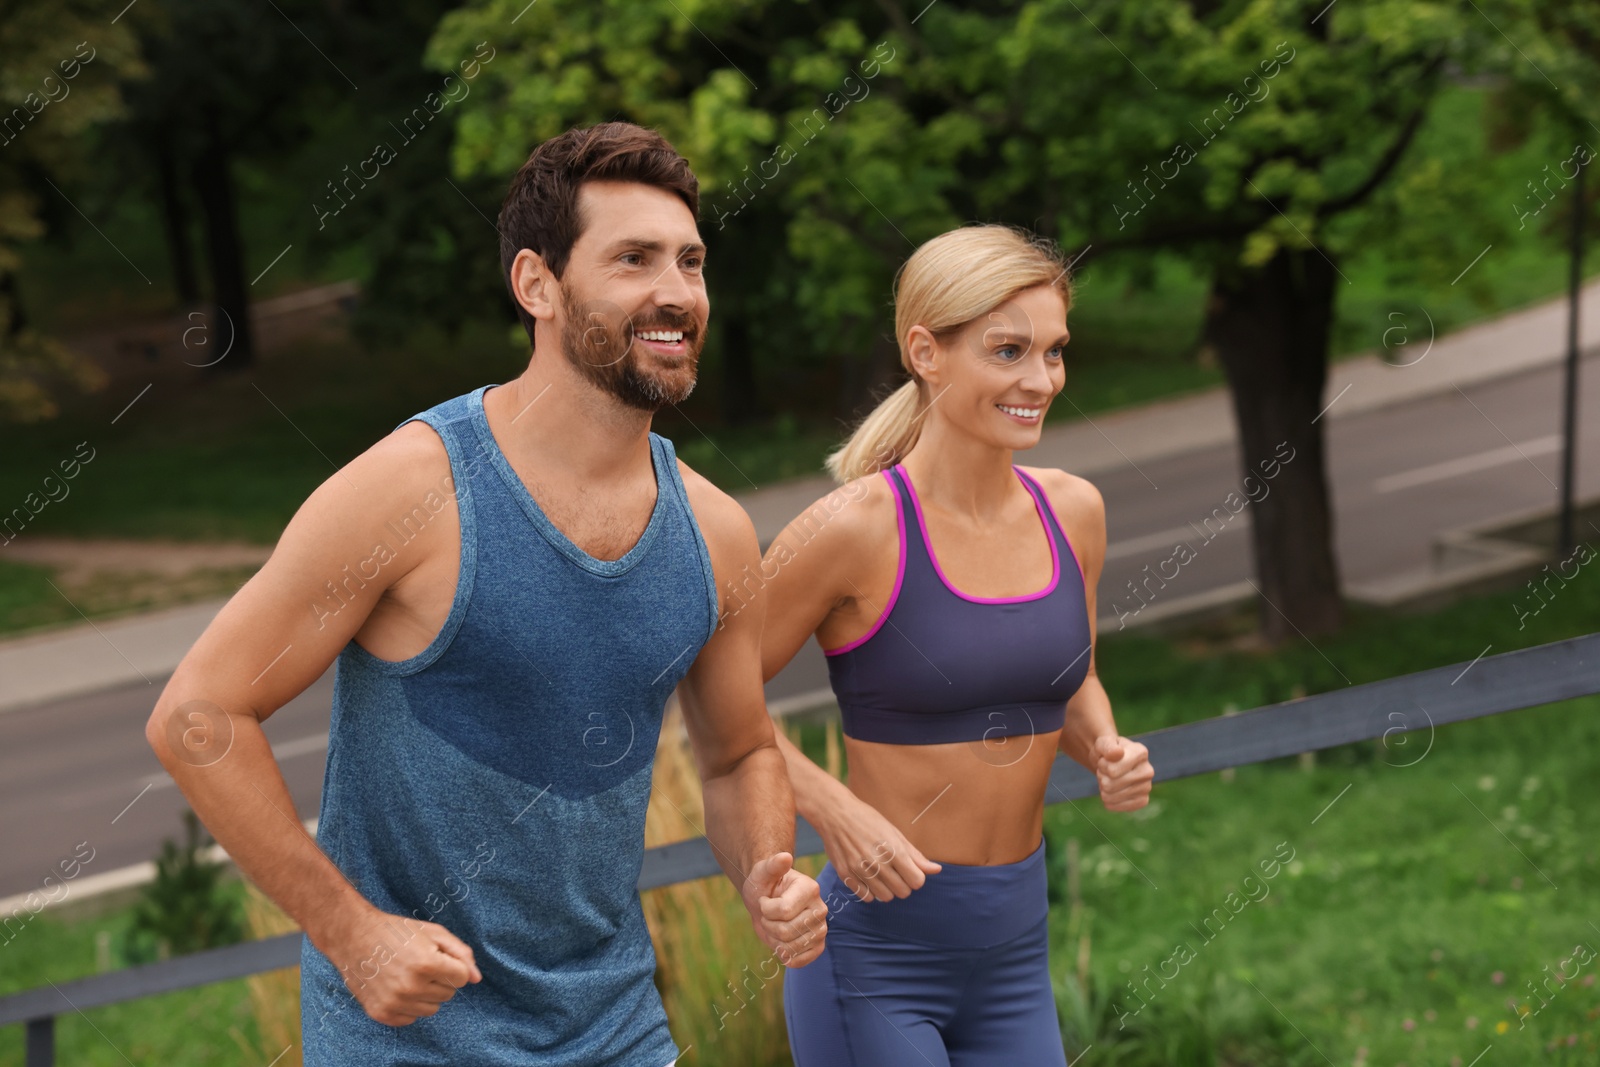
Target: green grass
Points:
(1406, 896)
(25, 598)
(201, 1027)
(34, 596)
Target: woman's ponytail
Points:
(883, 438)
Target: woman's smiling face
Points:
(995, 377)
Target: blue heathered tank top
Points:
(496, 783)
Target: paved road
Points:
(69, 770)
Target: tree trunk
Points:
(1270, 327)
(213, 183)
(174, 224)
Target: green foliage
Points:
(184, 910)
(56, 85)
(831, 139)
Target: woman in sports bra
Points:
(958, 620)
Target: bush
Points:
(184, 910)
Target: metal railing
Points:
(1510, 681)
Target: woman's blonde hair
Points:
(947, 283)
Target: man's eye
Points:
(693, 262)
(633, 259)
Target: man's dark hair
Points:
(540, 211)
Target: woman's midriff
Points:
(975, 803)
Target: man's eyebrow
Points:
(649, 244)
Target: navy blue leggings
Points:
(955, 975)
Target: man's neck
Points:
(552, 414)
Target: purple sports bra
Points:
(941, 666)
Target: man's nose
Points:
(672, 289)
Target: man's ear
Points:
(533, 284)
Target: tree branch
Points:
(1388, 161)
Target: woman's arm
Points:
(805, 585)
(819, 577)
(1090, 735)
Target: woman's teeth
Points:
(1021, 413)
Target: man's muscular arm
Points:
(275, 637)
(748, 802)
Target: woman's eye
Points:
(1057, 352)
(1006, 352)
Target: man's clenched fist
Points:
(787, 910)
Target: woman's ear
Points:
(923, 352)
(533, 284)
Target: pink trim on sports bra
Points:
(1039, 506)
(899, 575)
(1057, 516)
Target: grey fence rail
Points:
(1491, 685)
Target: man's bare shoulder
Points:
(406, 469)
(723, 522)
(406, 463)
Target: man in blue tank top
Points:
(512, 584)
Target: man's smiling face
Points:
(633, 296)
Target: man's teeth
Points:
(669, 336)
(1024, 413)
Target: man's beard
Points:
(598, 339)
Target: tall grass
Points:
(722, 988)
(274, 995)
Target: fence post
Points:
(41, 1042)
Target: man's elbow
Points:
(157, 735)
(750, 760)
(189, 733)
